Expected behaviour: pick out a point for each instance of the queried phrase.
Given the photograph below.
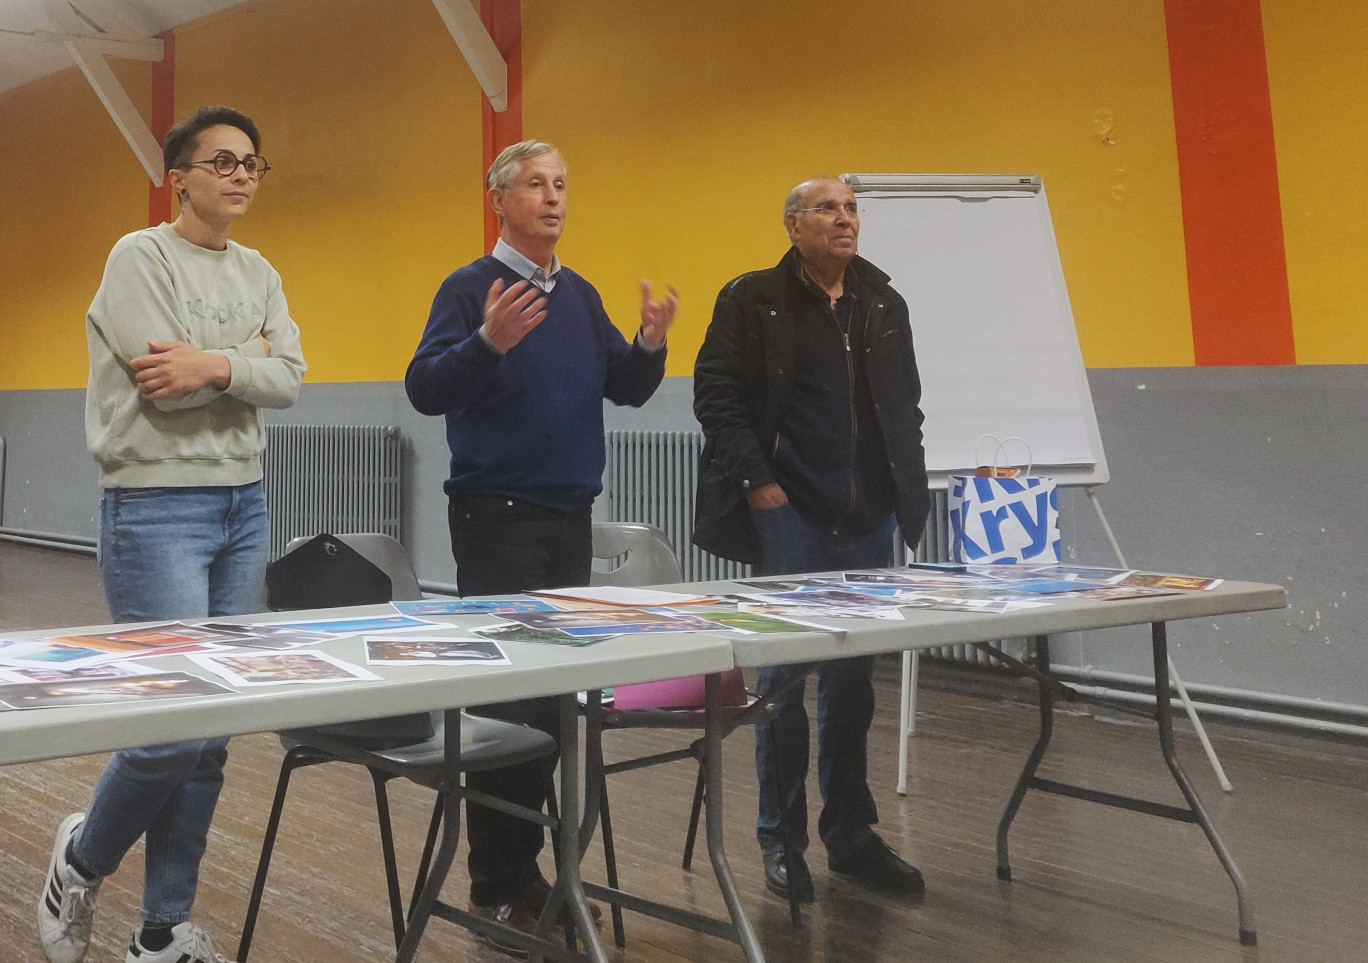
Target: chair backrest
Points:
(650, 560)
(647, 556)
(384, 552)
(353, 568)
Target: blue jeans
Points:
(170, 553)
(789, 544)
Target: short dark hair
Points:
(182, 139)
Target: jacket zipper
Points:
(854, 419)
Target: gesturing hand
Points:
(656, 316)
(510, 314)
(175, 369)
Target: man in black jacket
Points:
(807, 390)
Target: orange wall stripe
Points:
(163, 116)
(503, 18)
(1228, 174)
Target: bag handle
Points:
(1000, 450)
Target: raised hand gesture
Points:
(510, 314)
(656, 316)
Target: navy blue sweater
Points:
(527, 424)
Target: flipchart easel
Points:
(976, 258)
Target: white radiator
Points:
(651, 477)
(331, 478)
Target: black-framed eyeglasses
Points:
(831, 209)
(225, 162)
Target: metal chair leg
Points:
(429, 845)
(795, 911)
(295, 758)
(610, 863)
(382, 812)
(264, 861)
(694, 814)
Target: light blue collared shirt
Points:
(526, 268)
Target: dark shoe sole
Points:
(914, 889)
(804, 895)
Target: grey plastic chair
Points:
(411, 747)
(644, 556)
(643, 553)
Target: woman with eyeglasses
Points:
(189, 338)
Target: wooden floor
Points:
(1091, 884)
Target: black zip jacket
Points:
(742, 381)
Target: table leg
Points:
(1042, 647)
(569, 887)
(1164, 715)
(712, 797)
(446, 851)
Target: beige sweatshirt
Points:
(158, 286)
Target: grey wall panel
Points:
(51, 483)
(1249, 473)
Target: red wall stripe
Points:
(1228, 173)
(503, 19)
(163, 116)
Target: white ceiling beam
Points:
(114, 17)
(478, 47)
(130, 48)
(120, 107)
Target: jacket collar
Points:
(867, 274)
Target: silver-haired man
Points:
(518, 355)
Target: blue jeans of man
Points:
(789, 544)
(170, 553)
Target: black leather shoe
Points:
(777, 878)
(873, 863)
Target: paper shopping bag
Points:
(996, 520)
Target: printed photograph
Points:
(513, 632)
(168, 637)
(281, 668)
(438, 651)
(471, 606)
(106, 670)
(88, 692)
(764, 624)
(266, 636)
(1190, 583)
(355, 626)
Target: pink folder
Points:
(681, 693)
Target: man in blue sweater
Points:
(518, 354)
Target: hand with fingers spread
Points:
(174, 369)
(509, 314)
(656, 316)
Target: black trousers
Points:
(502, 547)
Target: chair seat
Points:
(485, 744)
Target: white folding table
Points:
(536, 670)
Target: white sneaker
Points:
(189, 944)
(67, 904)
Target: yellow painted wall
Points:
(69, 188)
(371, 122)
(684, 125)
(1317, 53)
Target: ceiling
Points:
(34, 33)
(42, 37)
